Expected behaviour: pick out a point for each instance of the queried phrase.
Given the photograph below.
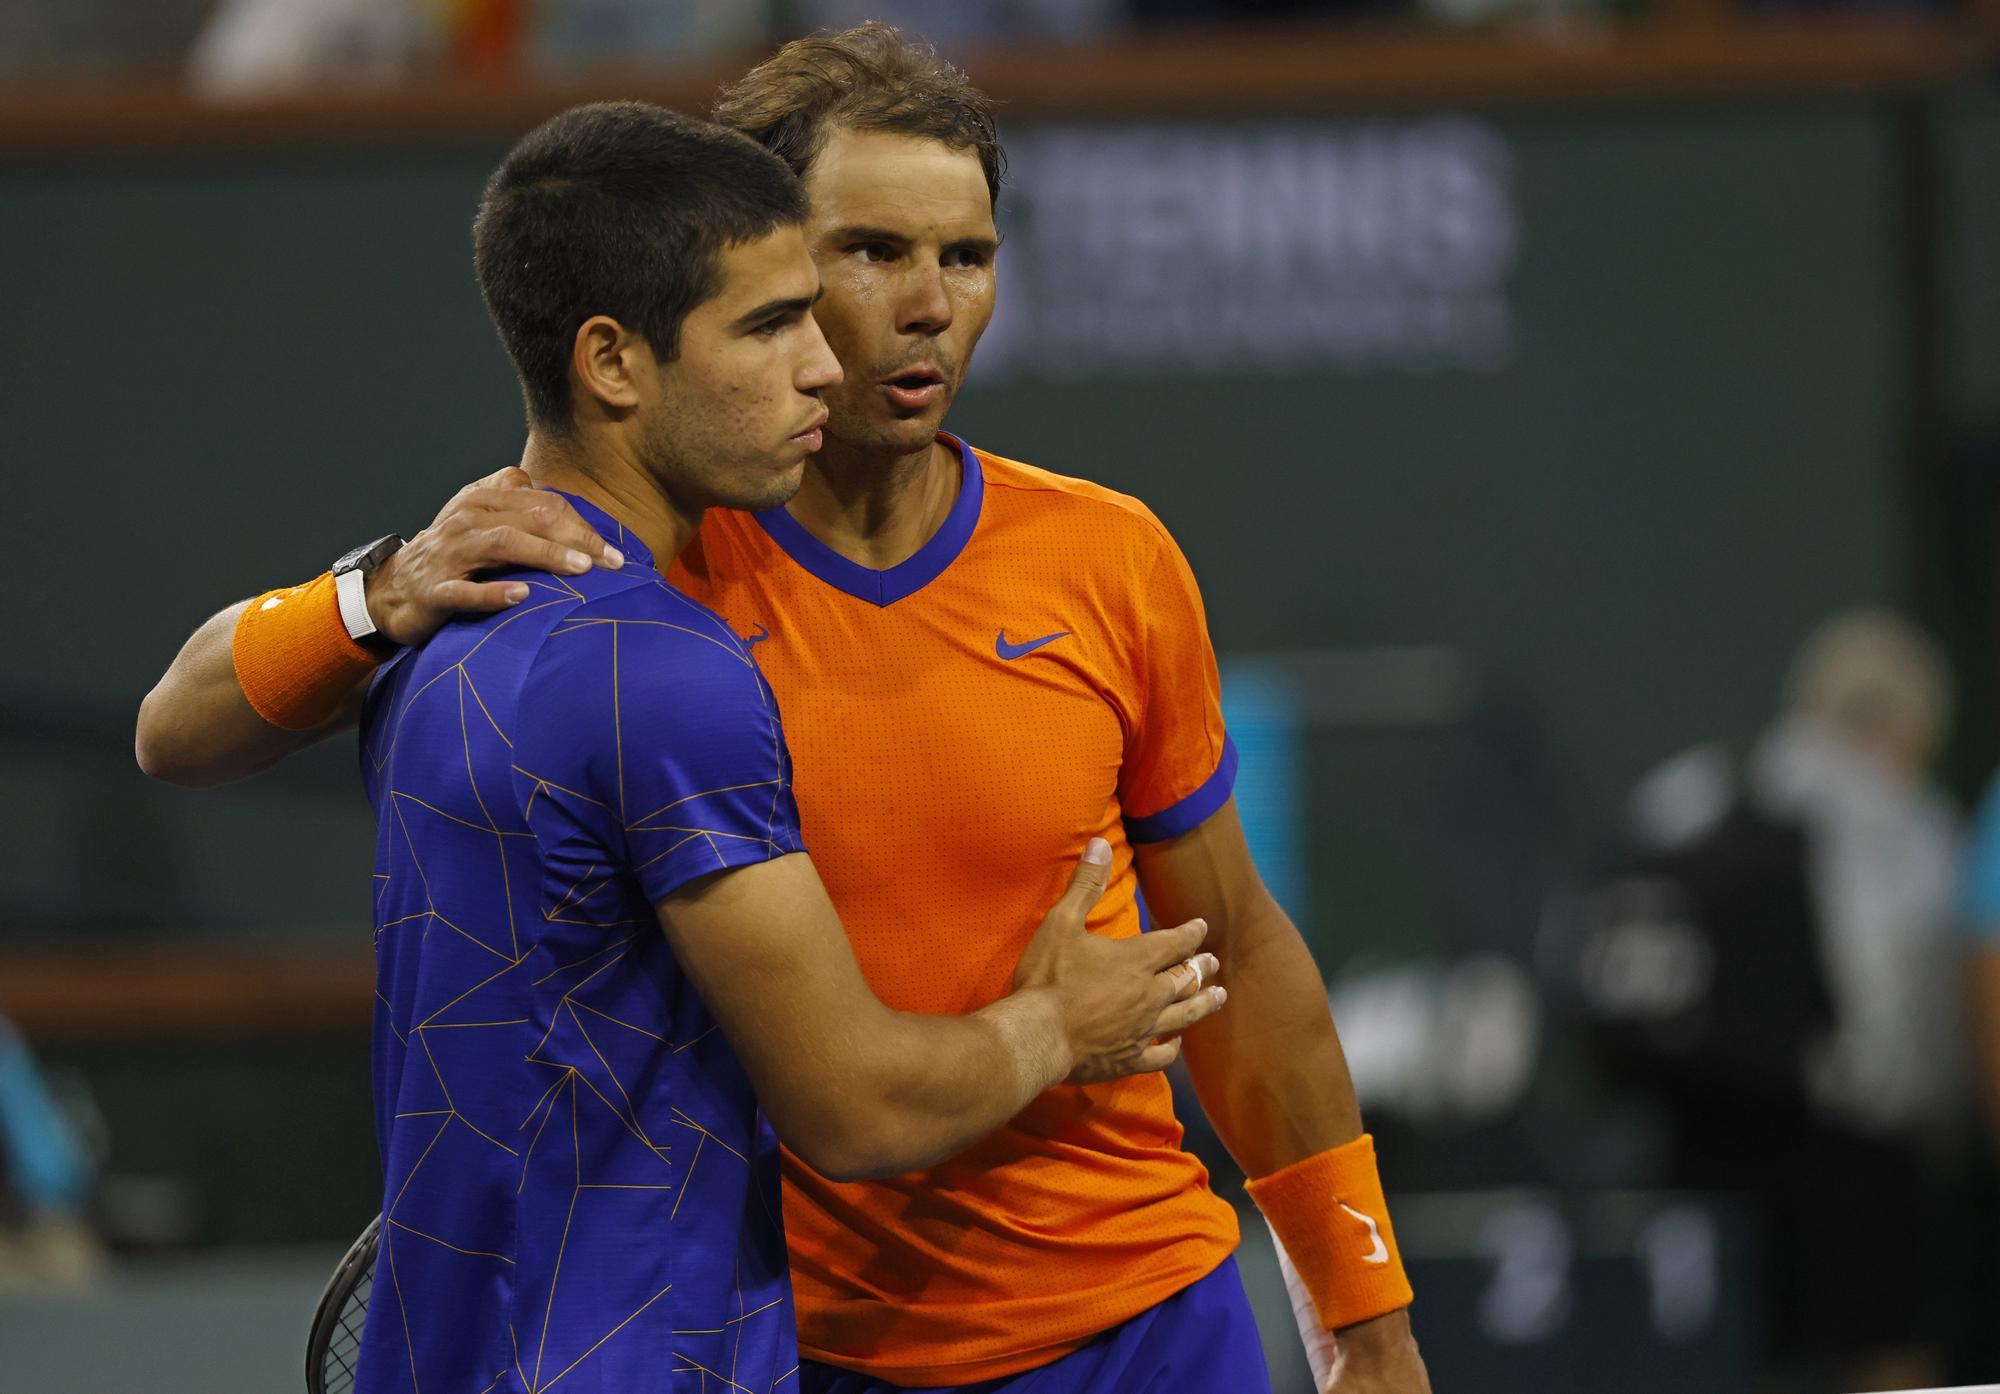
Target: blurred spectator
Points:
(957, 21)
(1982, 922)
(1240, 11)
(575, 34)
(45, 1243)
(1772, 966)
(254, 47)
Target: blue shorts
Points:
(1203, 1337)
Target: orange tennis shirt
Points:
(1037, 674)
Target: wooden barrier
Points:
(185, 992)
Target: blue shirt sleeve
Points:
(648, 741)
(1979, 904)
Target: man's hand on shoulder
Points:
(1378, 1356)
(499, 521)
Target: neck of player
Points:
(877, 509)
(613, 479)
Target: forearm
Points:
(1274, 1081)
(928, 1087)
(196, 727)
(1270, 1071)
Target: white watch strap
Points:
(349, 587)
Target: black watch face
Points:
(368, 555)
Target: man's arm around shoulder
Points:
(198, 727)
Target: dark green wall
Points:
(1969, 131)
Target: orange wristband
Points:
(294, 657)
(1329, 1213)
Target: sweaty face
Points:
(738, 411)
(902, 231)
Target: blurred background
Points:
(1583, 416)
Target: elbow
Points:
(855, 1150)
(151, 746)
(161, 755)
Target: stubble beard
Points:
(696, 485)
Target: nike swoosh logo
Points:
(1011, 652)
(759, 637)
(1378, 1254)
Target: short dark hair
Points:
(868, 78)
(619, 209)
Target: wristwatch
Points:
(350, 575)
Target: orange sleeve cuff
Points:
(294, 657)
(1329, 1213)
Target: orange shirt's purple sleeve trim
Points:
(1191, 812)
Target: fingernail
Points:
(1221, 995)
(516, 594)
(1097, 852)
(613, 558)
(577, 561)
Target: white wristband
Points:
(1322, 1351)
(350, 589)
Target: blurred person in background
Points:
(1771, 964)
(917, 633)
(1981, 921)
(252, 48)
(45, 1241)
(969, 21)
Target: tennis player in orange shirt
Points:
(999, 664)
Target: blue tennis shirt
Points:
(580, 1192)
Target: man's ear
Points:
(609, 362)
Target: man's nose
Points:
(821, 369)
(926, 306)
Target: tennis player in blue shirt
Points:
(580, 1190)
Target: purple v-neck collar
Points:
(907, 577)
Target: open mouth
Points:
(915, 389)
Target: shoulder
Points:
(1065, 502)
(652, 639)
(641, 689)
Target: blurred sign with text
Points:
(1293, 247)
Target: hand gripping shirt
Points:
(1039, 673)
(580, 1193)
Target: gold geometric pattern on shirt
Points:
(568, 909)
